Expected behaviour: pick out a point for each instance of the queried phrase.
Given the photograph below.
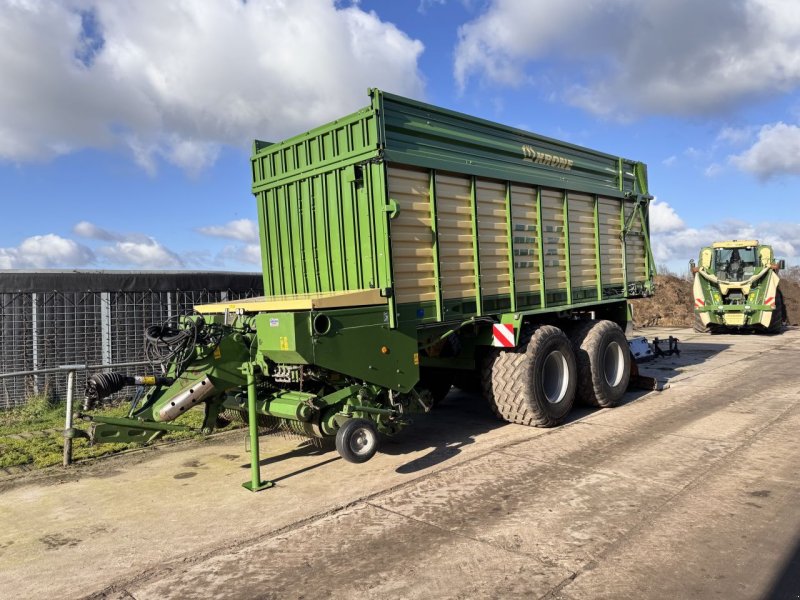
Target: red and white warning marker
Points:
(503, 335)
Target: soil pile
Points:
(672, 304)
(790, 288)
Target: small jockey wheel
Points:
(357, 440)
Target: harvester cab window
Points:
(735, 264)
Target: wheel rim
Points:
(613, 364)
(362, 441)
(555, 377)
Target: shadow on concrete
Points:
(305, 449)
(453, 424)
(786, 585)
(692, 353)
(305, 469)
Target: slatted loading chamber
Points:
(525, 244)
(454, 241)
(412, 236)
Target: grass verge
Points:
(33, 434)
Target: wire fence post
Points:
(69, 432)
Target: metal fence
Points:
(54, 318)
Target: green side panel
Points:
(285, 337)
(320, 202)
(351, 139)
(324, 232)
(427, 136)
(358, 342)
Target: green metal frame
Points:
(649, 263)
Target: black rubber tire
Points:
(603, 360)
(778, 314)
(517, 383)
(357, 440)
(698, 325)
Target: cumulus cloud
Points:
(129, 249)
(245, 230)
(46, 251)
(174, 81)
(91, 231)
(661, 56)
(144, 254)
(679, 244)
(242, 253)
(736, 136)
(425, 5)
(775, 152)
(242, 230)
(663, 218)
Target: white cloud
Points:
(91, 231)
(663, 218)
(425, 5)
(176, 80)
(46, 251)
(669, 161)
(775, 152)
(677, 246)
(713, 170)
(129, 249)
(132, 250)
(696, 154)
(143, 254)
(245, 230)
(243, 253)
(623, 57)
(736, 136)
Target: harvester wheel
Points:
(533, 384)
(604, 363)
(778, 314)
(357, 440)
(699, 327)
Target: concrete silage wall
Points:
(54, 318)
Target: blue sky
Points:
(125, 127)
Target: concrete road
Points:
(693, 492)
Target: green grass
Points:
(45, 448)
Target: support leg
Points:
(255, 484)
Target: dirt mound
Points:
(790, 288)
(672, 306)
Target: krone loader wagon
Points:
(406, 248)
